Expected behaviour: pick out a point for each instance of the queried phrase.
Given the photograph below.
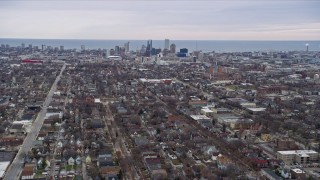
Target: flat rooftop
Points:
(298, 152)
(198, 117)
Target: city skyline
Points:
(180, 20)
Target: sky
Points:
(156, 19)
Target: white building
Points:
(207, 112)
(166, 43)
(298, 156)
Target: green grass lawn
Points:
(70, 167)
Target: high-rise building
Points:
(43, 47)
(30, 46)
(173, 48)
(127, 46)
(112, 52)
(117, 50)
(83, 47)
(166, 43)
(149, 48)
(107, 53)
(122, 50)
(184, 50)
(23, 45)
(61, 48)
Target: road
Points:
(16, 166)
(119, 145)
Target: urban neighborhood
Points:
(155, 113)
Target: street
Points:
(16, 166)
(119, 144)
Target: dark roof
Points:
(17, 126)
(27, 117)
(6, 156)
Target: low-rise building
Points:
(298, 156)
(297, 173)
(207, 112)
(269, 174)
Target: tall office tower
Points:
(307, 47)
(149, 48)
(23, 45)
(112, 52)
(150, 43)
(166, 43)
(127, 46)
(83, 47)
(61, 48)
(173, 48)
(117, 50)
(30, 46)
(107, 53)
(43, 47)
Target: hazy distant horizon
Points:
(119, 39)
(192, 45)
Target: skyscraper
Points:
(127, 46)
(166, 43)
(43, 47)
(107, 53)
(83, 48)
(173, 48)
(149, 48)
(117, 50)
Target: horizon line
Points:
(94, 39)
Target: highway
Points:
(16, 166)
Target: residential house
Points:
(71, 161)
(109, 171)
(223, 161)
(266, 137)
(28, 171)
(16, 128)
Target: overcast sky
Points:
(155, 19)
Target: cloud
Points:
(160, 19)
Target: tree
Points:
(120, 174)
(44, 163)
(158, 131)
(224, 127)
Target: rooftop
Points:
(198, 117)
(298, 152)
